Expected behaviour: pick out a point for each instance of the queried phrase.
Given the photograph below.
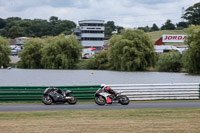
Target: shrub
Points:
(100, 61)
(169, 62)
(191, 57)
(4, 52)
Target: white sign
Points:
(173, 38)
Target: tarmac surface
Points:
(93, 106)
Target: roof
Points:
(91, 21)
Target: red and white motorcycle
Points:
(101, 98)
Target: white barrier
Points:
(159, 91)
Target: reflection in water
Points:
(39, 77)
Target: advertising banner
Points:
(173, 38)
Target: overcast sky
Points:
(126, 13)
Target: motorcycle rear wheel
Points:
(73, 100)
(47, 100)
(100, 100)
(124, 100)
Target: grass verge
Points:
(109, 121)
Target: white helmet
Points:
(103, 86)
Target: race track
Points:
(93, 106)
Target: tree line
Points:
(13, 27)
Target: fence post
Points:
(199, 90)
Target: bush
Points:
(169, 62)
(54, 53)
(132, 50)
(82, 64)
(100, 61)
(4, 52)
(32, 54)
(191, 57)
(61, 52)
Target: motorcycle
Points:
(56, 95)
(101, 98)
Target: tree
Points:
(191, 57)
(168, 25)
(40, 28)
(61, 52)
(15, 31)
(154, 28)
(4, 52)
(145, 29)
(2, 23)
(25, 25)
(192, 14)
(131, 50)
(63, 26)
(109, 28)
(169, 62)
(31, 54)
(119, 29)
(11, 21)
(53, 20)
(182, 25)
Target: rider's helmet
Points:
(103, 86)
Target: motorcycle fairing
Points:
(108, 100)
(106, 96)
(56, 96)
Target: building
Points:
(90, 33)
(159, 49)
(21, 40)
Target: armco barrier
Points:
(34, 93)
(159, 91)
(86, 92)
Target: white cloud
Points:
(127, 13)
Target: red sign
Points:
(173, 38)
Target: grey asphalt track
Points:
(93, 106)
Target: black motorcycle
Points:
(56, 95)
(101, 98)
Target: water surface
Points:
(43, 77)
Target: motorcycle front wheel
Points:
(100, 100)
(47, 100)
(124, 100)
(73, 100)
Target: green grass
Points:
(94, 121)
(127, 114)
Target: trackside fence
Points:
(86, 92)
(159, 91)
(34, 93)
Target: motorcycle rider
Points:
(107, 89)
(58, 90)
(112, 93)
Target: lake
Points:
(44, 77)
